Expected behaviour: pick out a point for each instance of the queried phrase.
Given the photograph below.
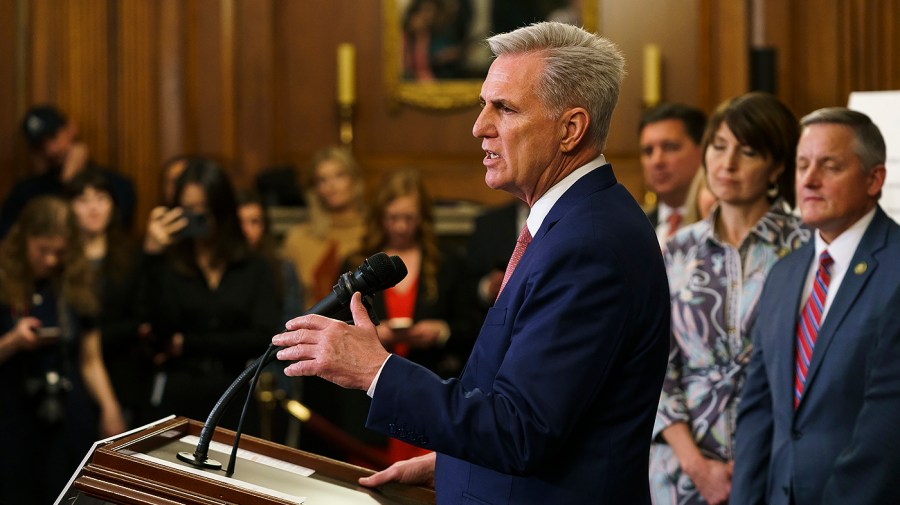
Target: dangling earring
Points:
(772, 192)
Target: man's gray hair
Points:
(869, 145)
(582, 70)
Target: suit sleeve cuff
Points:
(371, 390)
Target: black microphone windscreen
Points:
(399, 270)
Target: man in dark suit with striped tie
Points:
(817, 316)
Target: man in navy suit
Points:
(817, 315)
(557, 401)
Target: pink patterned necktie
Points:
(521, 244)
(808, 327)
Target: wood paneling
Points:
(11, 41)
(829, 48)
(253, 82)
(136, 106)
(724, 48)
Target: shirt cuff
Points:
(371, 391)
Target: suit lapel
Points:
(851, 287)
(595, 180)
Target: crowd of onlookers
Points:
(101, 331)
(779, 261)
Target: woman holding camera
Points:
(211, 299)
(56, 398)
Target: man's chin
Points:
(492, 181)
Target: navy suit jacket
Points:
(557, 401)
(866, 472)
(781, 453)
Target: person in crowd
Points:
(425, 317)
(717, 268)
(211, 299)
(490, 245)
(557, 400)
(865, 472)
(670, 136)
(805, 381)
(56, 397)
(336, 224)
(58, 155)
(114, 258)
(256, 227)
(172, 169)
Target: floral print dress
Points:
(714, 289)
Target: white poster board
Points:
(884, 109)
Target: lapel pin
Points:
(860, 268)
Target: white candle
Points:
(346, 74)
(652, 62)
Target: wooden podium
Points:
(142, 468)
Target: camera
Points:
(48, 392)
(197, 225)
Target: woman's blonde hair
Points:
(46, 216)
(318, 216)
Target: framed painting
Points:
(434, 50)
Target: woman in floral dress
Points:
(716, 270)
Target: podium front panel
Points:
(143, 468)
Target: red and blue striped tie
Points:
(810, 320)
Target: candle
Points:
(652, 61)
(346, 67)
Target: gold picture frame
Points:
(439, 93)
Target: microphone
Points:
(378, 272)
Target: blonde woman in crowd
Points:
(336, 222)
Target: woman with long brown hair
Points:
(56, 397)
(211, 298)
(427, 316)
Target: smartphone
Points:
(49, 332)
(399, 323)
(197, 225)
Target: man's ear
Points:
(575, 123)
(877, 176)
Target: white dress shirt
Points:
(841, 249)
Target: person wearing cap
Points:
(58, 156)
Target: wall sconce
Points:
(652, 75)
(346, 90)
